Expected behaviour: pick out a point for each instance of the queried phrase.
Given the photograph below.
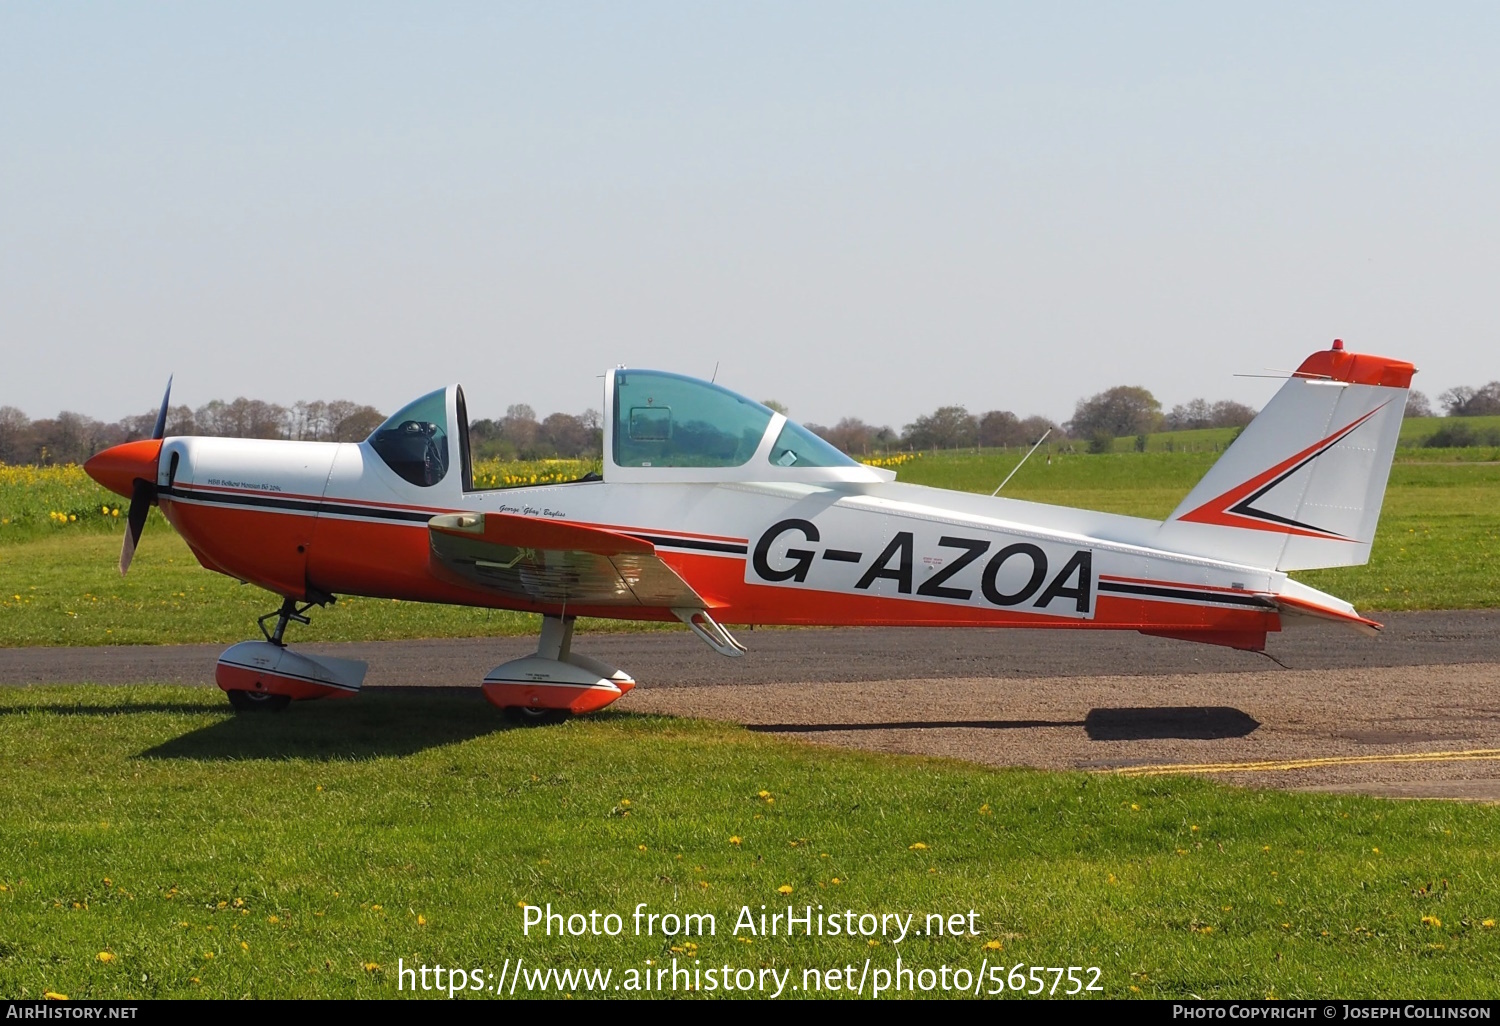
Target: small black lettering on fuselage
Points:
(1072, 583)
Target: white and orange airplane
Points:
(714, 509)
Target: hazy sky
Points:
(857, 209)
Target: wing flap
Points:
(554, 563)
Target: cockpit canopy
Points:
(658, 426)
(668, 427)
(414, 440)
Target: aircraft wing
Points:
(552, 562)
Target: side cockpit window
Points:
(798, 447)
(414, 441)
(667, 420)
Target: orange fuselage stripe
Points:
(298, 553)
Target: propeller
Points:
(143, 494)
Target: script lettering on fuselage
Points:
(928, 562)
(531, 511)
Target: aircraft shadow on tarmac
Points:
(1150, 723)
(380, 722)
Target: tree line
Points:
(1121, 412)
(73, 437)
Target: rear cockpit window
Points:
(414, 441)
(667, 420)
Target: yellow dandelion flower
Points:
(244, 946)
(784, 889)
(273, 919)
(703, 884)
(421, 920)
(1134, 807)
(640, 847)
(106, 956)
(1431, 921)
(625, 802)
(371, 967)
(984, 810)
(1488, 924)
(835, 881)
(763, 794)
(919, 846)
(1375, 851)
(1193, 828)
(53, 995)
(993, 945)
(874, 944)
(377, 908)
(114, 512)
(734, 840)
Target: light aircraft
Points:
(714, 509)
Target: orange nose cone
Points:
(117, 468)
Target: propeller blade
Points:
(140, 505)
(160, 430)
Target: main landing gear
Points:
(556, 682)
(265, 676)
(546, 687)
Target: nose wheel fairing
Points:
(261, 667)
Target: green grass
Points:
(1438, 540)
(1435, 548)
(303, 854)
(1416, 430)
(66, 590)
(1211, 440)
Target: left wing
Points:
(558, 564)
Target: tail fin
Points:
(1301, 487)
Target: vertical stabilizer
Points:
(1301, 487)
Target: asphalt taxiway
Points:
(1410, 713)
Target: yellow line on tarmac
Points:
(1475, 755)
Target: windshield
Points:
(667, 420)
(414, 441)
